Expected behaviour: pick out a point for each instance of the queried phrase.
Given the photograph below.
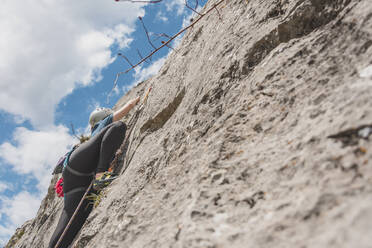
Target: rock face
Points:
(255, 135)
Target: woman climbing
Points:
(83, 163)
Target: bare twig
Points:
(82, 138)
(147, 33)
(162, 35)
(140, 55)
(122, 55)
(219, 14)
(73, 131)
(162, 42)
(169, 40)
(193, 9)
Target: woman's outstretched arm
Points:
(119, 114)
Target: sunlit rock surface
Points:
(255, 135)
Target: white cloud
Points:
(187, 19)
(32, 154)
(48, 48)
(19, 208)
(178, 5)
(161, 17)
(35, 153)
(142, 74)
(5, 233)
(177, 41)
(4, 186)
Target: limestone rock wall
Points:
(255, 135)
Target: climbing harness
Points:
(113, 164)
(104, 180)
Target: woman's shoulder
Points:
(101, 124)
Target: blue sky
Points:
(58, 62)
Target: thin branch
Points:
(140, 55)
(162, 42)
(169, 41)
(162, 35)
(122, 55)
(196, 4)
(82, 138)
(166, 36)
(73, 131)
(194, 10)
(219, 14)
(147, 33)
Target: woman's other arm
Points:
(119, 114)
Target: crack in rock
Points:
(302, 20)
(161, 118)
(351, 137)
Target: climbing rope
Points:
(114, 163)
(73, 216)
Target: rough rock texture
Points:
(255, 135)
(37, 232)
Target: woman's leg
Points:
(62, 223)
(71, 201)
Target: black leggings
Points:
(89, 158)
